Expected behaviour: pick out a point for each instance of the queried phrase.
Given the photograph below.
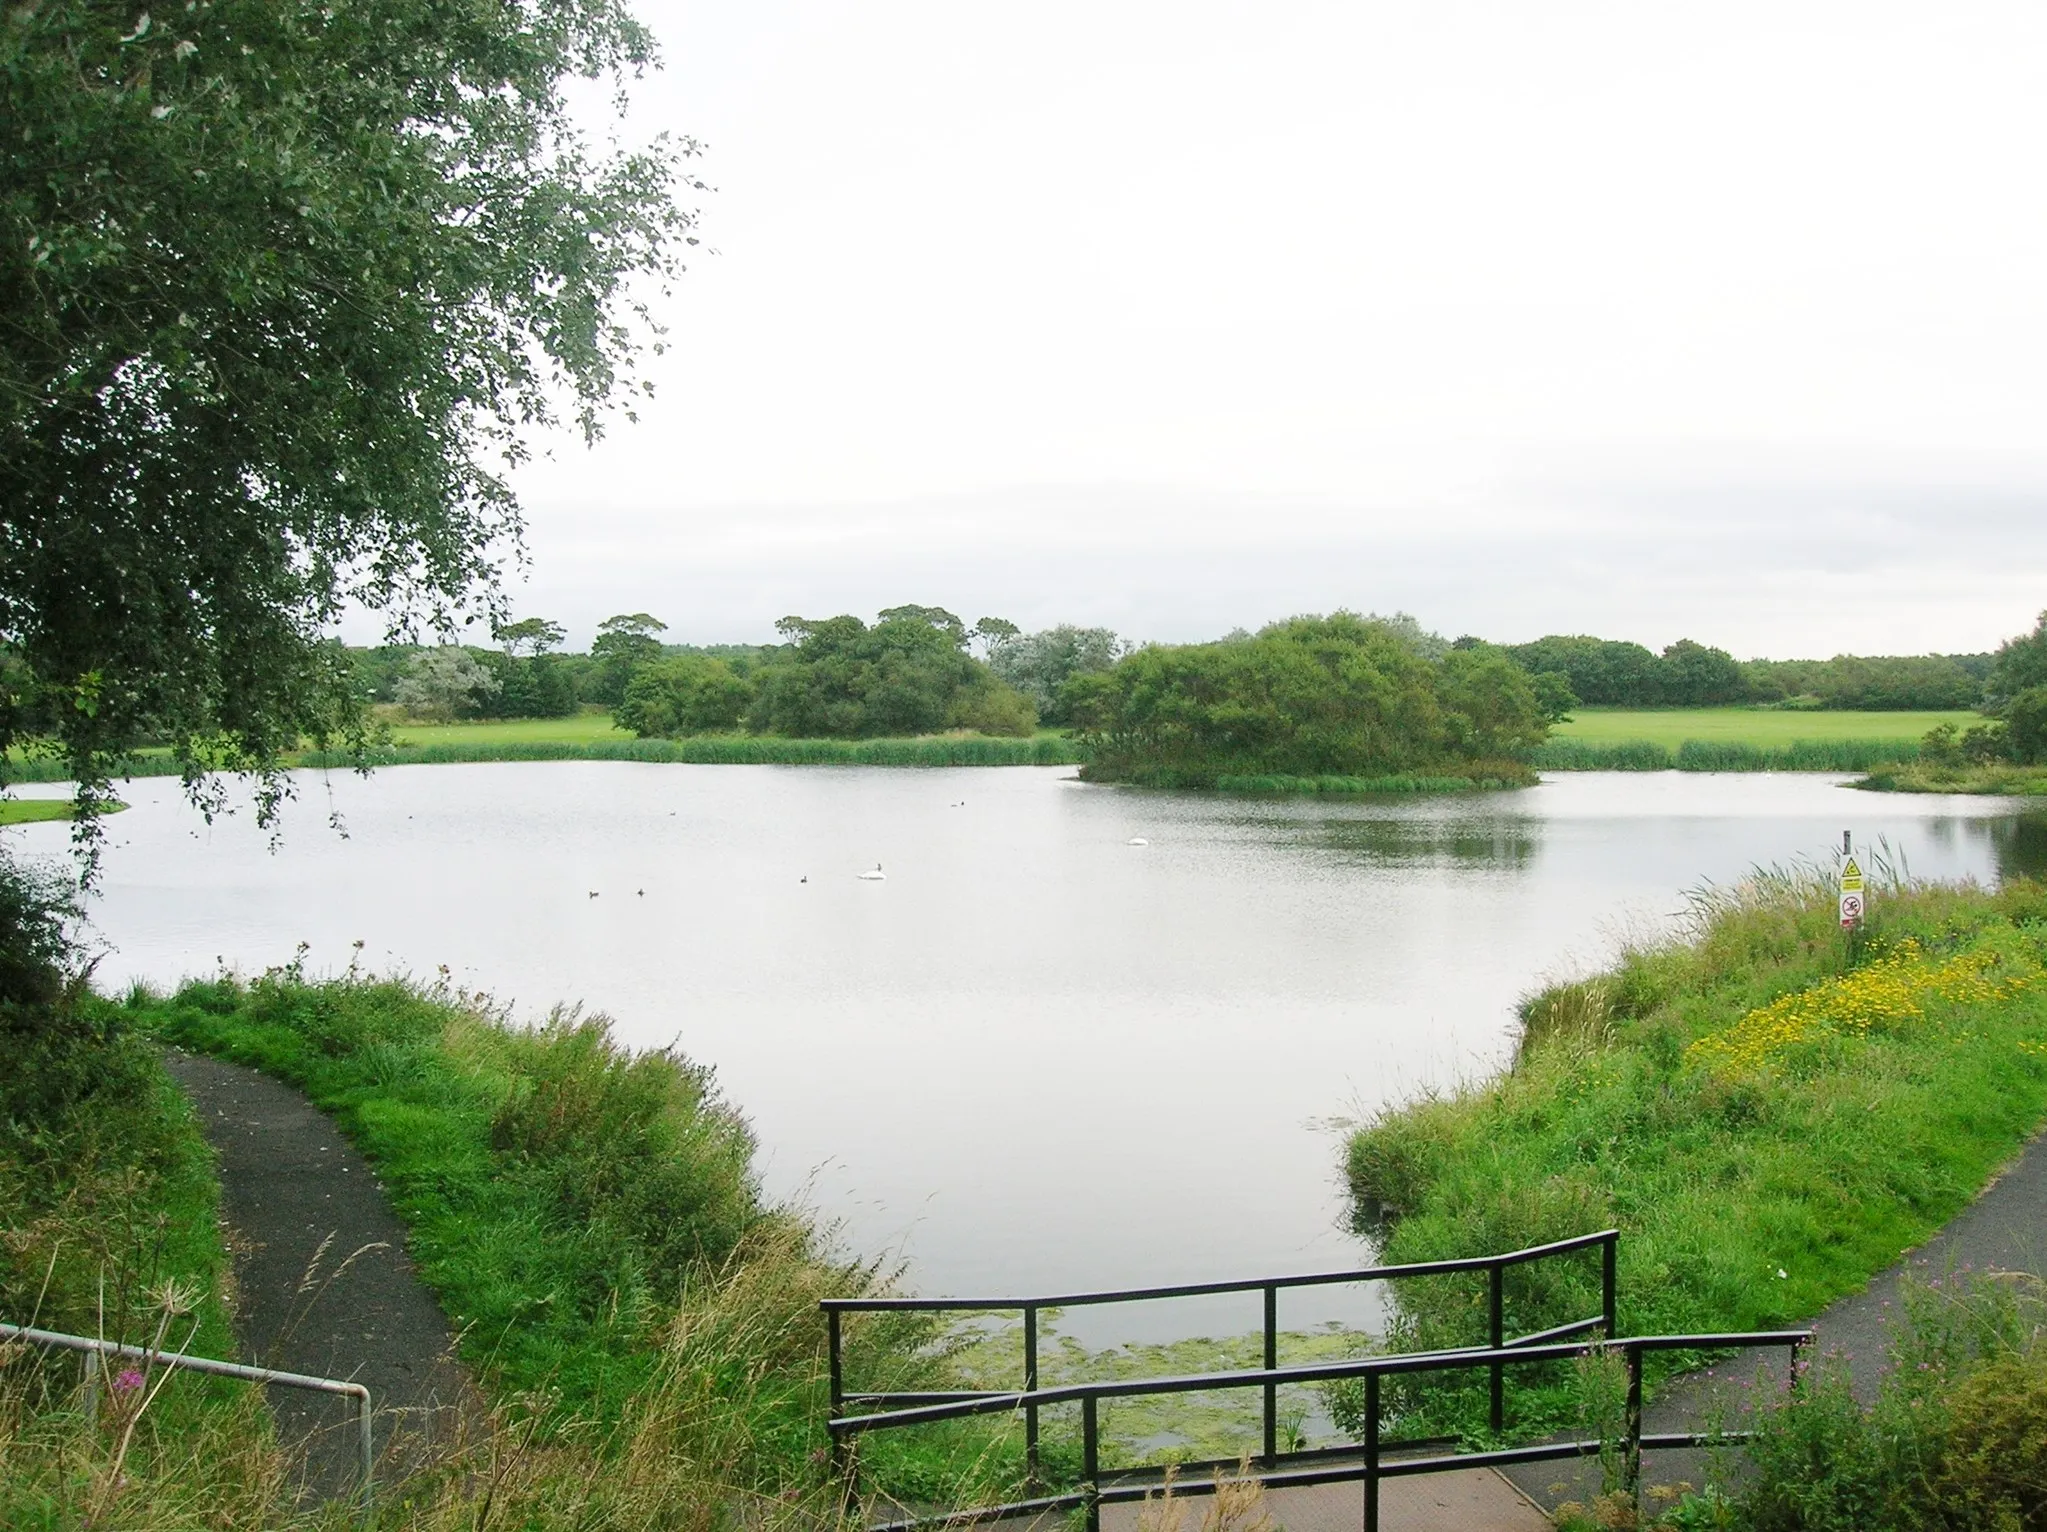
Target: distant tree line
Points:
(1343, 693)
(1605, 672)
(915, 670)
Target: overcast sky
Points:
(1725, 320)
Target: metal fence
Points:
(97, 1350)
(1367, 1463)
(1032, 1399)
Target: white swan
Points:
(876, 876)
(1137, 840)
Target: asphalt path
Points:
(323, 1282)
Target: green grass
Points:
(1719, 755)
(1924, 777)
(577, 729)
(1824, 1163)
(1762, 727)
(1735, 739)
(590, 1223)
(111, 1230)
(736, 750)
(581, 739)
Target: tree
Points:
(1311, 696)
(536, 635)
(623, 644)
(908, 674)
(1041, 664)
(281, 285)
(1697, 676)
(2025, 726)
(2020, 664)
(443, 683)
(684, 695)
(991, 633)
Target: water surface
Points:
(1035, 1056)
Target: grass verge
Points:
(1768, 1116)
(590, 1221)
(1926, 777)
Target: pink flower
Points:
(127, 1380)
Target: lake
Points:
(1035, 1057)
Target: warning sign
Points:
(1851, 909)
(1851, 877)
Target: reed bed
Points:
(1566, 754)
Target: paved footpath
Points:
(324, 1283)
(2004, 1229)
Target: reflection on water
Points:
(2019, 844)
(1368, 833)
(1037, 1058)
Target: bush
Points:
(1955, 1440)
(2025, 726)
(686, 695)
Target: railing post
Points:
(1030, 1314)
(1090, 1465)
(838, 1385)
(1271, 1362)
(1609, 1251)
(366, 1447)
(1371, 1452)
(1496, 1318)
(1633, 1461)
(90, 1387)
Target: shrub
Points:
(1954, 1441)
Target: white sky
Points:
(1650, 320)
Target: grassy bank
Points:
(642, 1323)
(111, 1229)
(1926, 777)
(30, 811)
(1767, 1122)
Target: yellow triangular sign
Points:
(1851, 877)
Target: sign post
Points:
(1851, 886)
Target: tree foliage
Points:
(623, 644)
(281, 285)
(1040, 664)
(444, 683)
(2020, 663)
(1335, 695)
(687, 694)
(908, 674)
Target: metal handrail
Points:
(1495, 1266)
(96, 1349)
(1372, 1467)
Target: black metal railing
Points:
(1031, 1398)
(1366, 1462)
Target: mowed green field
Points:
(1762, 727)
(577, 729)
